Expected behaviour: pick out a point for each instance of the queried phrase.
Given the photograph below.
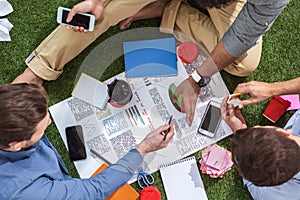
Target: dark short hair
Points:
(264, 156)
(22, 107)
(213, 3)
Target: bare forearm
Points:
(218, 60)
(286, 87)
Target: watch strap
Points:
(200, 80)
(196, 76)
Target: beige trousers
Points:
(63, 45)
(208, 30)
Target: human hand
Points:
(232, 116)
(155, 140)
(259, 91)
(95, 7)
(190, 91)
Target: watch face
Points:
(204, 81)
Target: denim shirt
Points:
(255, 19)
(287, 191)
(39, 173)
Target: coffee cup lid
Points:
(188, 52)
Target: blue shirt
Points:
(255, 19)
(39, 173)
(287, 191)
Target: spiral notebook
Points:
(91, 90)
(182, 180)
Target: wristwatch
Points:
(202, 81)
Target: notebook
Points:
(149, 58)
(91, 90)
(126, 192)
(182, 180)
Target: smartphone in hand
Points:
(75, 142)
(85, 20)
(211, 119)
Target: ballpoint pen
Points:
(99, 156)
(167, 131)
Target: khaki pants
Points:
(63, 45)
(181, 17)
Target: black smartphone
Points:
(75, 143)
(211, 119)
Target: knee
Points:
(237, 70)
(243, 67)
(248, 62)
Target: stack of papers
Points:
(5, 25)
(215, 161)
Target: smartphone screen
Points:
(75, 143)
(78, 20)
(211, 120)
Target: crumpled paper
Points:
(215, 161)
(5, 8)
(5, 25)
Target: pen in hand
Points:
(167, 131)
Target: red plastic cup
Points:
(276, 108)
(150, 193)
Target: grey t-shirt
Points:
(255, 19)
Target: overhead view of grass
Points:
(34, 20)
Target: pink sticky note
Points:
(294, 99)
(216, 157)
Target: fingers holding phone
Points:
(82, 22)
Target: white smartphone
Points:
(211, 119)
(85, 20)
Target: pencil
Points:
(99, 156)
(167, 131)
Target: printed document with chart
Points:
(112, 131)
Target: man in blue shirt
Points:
(31, 168)
(266, 156)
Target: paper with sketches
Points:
(112, 132)
(5, 27)
(294, 99)
(5, 8)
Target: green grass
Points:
(33, 20)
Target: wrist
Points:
(103, 3)
(235, 129)
(200, 80)
(140, 148)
